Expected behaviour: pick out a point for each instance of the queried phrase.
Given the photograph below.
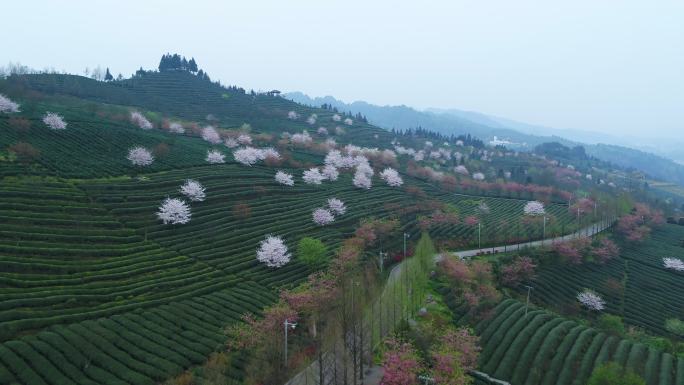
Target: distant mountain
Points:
(517, 135)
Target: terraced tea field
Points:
(544, 349)
(651, 293)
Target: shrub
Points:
(311, 251)
(675, 326)
(24, 152)
(612, 324)
(612, 373)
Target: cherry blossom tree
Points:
(521, 269)
(330, 173)
(591, 300)
(337, 206)
(313, 176)
(269, 153)
(176, 128)
(400, 363)
(210, 134)
(322, 131)
(312, 119)
(174, 211)
(7, 105)
(140, 120)
(215, 157)
(301, 139)
(362, 180)
(284, 178)
(323, 217)
(419, 156)
(534, 208)
(673, 264)
(140, 156)
(244, 139)
(273, 252)
(193, 190)
(478, 176)
(292, 115)
(348, 122)
(54, 121)
(248, 156)
(461, 169)
(336, 118)
(391, 177)
(231, 142)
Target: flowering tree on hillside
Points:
(284, 178)
(400, 363)
(301, 139)
(591, 300)
(248, 156)
(174, 211)
(391, 177)
(336, 118)
(478, 176)
(140, 156)
(244, 139)
(7, 105)
(362, 180)
(210, 134)
(534, 208)
(336, 206)
(322, 131)
(193, 190)
(176, 128)
(606, 250)
(520, 270)
(323, 217)
(348, 122)
(461, 169)
(273, 252)
(54, 121)
(312, 119)
(313, 176)
(454, 354)
(292, 115)
(330, 173)
(215, 157)
(673, 264)
(140, 120)
(231, 142)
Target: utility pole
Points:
(382, 261)
(544, 230)
(479, 235)
(527, 304)
(287, 324)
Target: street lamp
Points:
(544, 230)
(382, 260)
(288, 325)
(406, 236)
(529, 288)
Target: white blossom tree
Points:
(244, 139)
(362, 180)
(292, 115)
(391, 177)
(273, 252)
(301, 138)
(478, 176)
(176, 128)
(534, 208)
(140, 156)
(215, 157)
(313, 176)
(231, 142)
(323, 217)
(7, 105)
(591, 300)
(270, 153)
(461, 169)
(210, 134)
(312, 119)
(193, 190)
(330, 173)
(337, 206)
(174, 211)
(322, 131)
(284, 178)
(54, 121)
(673, 264)
(348, 122)
(140, 120)
(248, 156)
(336, 118)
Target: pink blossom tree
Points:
(323, 217)
(606, 250)
(520, 270)
(54, 121)
(284, 178)
(174, 211)
(330, 172)
(400, 363)
(140, 120)
(244, 139)
(534, 208)
(231, 142)
(193, 190)
(7, 105)
(336, 118)
(273, 252)
(454, 354)
(140, 156)
(362, 180)
(292, 115)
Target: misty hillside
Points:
(485, 127)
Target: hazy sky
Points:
(603, 65)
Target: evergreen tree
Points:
(108, 76)
(192, 65)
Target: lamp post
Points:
(544, 230)
(287, 325)
(381, 260)
(529, 288)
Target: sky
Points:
(608, 66)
